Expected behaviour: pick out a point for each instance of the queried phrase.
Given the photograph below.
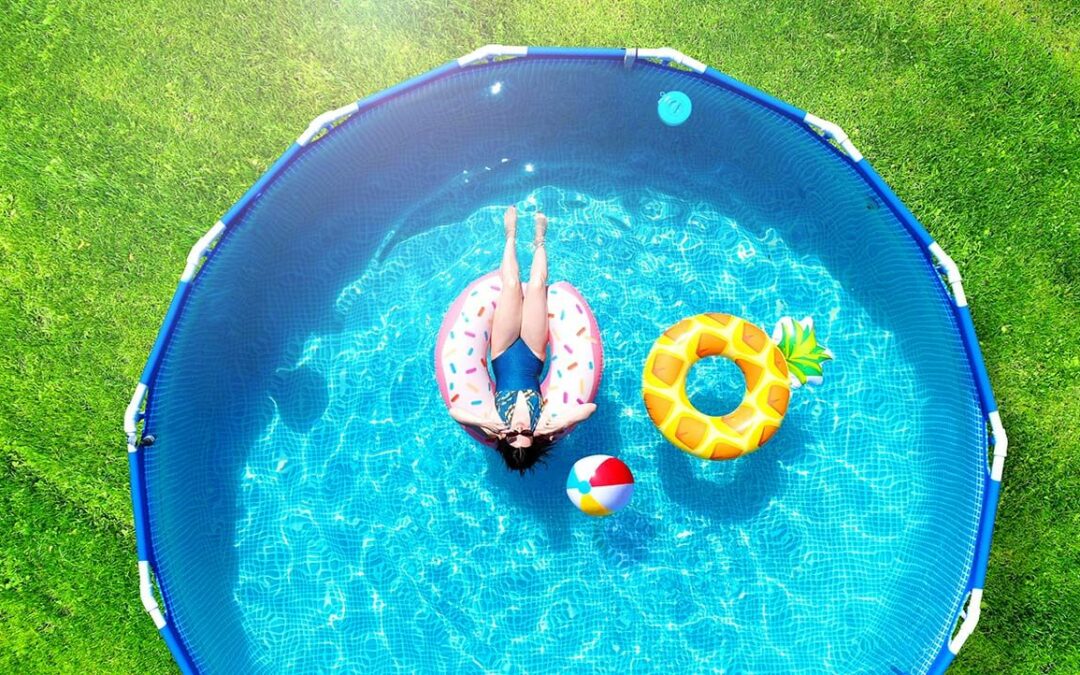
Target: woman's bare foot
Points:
(510, 222)
(541, 229)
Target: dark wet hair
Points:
(523, 459)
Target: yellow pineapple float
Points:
(772, 368)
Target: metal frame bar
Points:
(827, 132)
(136, 470)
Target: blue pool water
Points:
(313, 507)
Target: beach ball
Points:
(599, 485)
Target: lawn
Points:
(126, 129)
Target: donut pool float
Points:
(770, 368)
(574, 364)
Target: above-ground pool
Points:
(308, 505)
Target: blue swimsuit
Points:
(517, 370)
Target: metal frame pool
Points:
(827, 132)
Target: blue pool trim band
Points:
(255, 190)
(975, 358)
(577, 52)
(138, 503)
(177, 649)
(167, 325)
(824, 130)
(377, 98)
(982, 548)
(912, 225)
(728, 82)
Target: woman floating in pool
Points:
(522, 423)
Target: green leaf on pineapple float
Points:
(800, 348)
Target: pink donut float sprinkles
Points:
(600, 485)
(574, 364)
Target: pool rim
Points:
(831, 135)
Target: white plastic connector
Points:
(952, 273)
(131, 417)
(325, 121)
(1001, 446)
(146, 592)
(488, 52)
(669, 55)
(198, 251)
(833, 131)
(971, 619)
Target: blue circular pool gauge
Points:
(674, 108)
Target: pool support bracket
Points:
(132, 417)
(326, 121)
(1001, 446)
(952, 273)
(199, 250)
(971, 619)
(667, 55)
(491, 52)
(833, 131)
(146, 593)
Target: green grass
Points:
(126, 129)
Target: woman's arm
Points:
(555, 419)
(490, 425)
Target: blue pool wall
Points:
(961, 313)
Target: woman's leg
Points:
(506, 325)
(534, 314)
